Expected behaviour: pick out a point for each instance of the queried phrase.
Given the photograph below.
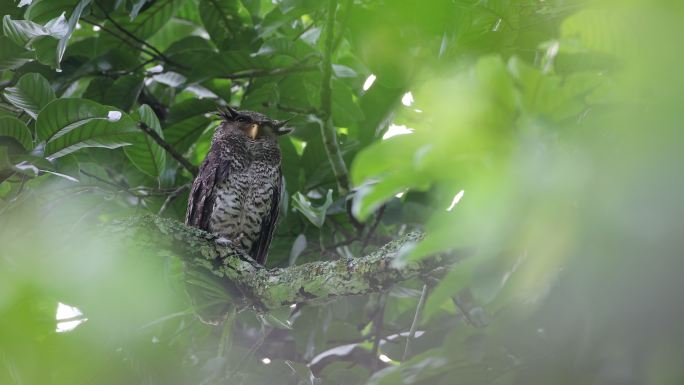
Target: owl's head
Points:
(254, 124)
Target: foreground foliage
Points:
(544, 141)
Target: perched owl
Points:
(236, 194)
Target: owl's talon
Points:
(223, 241)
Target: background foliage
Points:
(557, 123)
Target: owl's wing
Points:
(259, 249)
(213, 171)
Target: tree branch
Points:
(272, 288)
(328, 133)
(166, 146)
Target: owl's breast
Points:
(242, 201)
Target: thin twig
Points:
(169, 149)
(377, 328)
(123, 39)
(371, 231)
(172, 197)
(303, 31)
(250, 352)
(269, 72)
(139, 40)
(416, 320)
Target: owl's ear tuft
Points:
(228, 113)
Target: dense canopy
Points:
(520, 159)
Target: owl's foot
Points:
(234, 243)
(223, 241)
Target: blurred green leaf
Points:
(315, 215)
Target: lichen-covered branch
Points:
(272, 288)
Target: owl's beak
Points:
(281, 128)
(253, 131)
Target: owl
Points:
(236, 194)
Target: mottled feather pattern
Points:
(237, 192)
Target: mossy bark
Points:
(272, 288)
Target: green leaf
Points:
(135, 8)
(345, 110)
(40, 11)
(183, 134)
(16, 129)
(70, 124)
(11, 55)
(124, 92)
(144, 152)
(458, 278)
(97, 133)
(63, 115)
(315, 215)
(24, 32)
(31, 93)
(221, 20)
(71, 25)
(152, 19)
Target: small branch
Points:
(269, 72)
(328, 133)
(416, 320)
(378, 320)
(172, 197)
(273, 288)
(166, 146)
(123, 39)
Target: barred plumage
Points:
(236, 194)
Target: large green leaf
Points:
(184, 133)
(63, 115)
(144, 152)
(124, 92)
(152, 19)
(11, 55)
(31, 93)
(16, 129)
(25, 32)
(221, 20)
(70, 124)
(40, 11)
(97, 133)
